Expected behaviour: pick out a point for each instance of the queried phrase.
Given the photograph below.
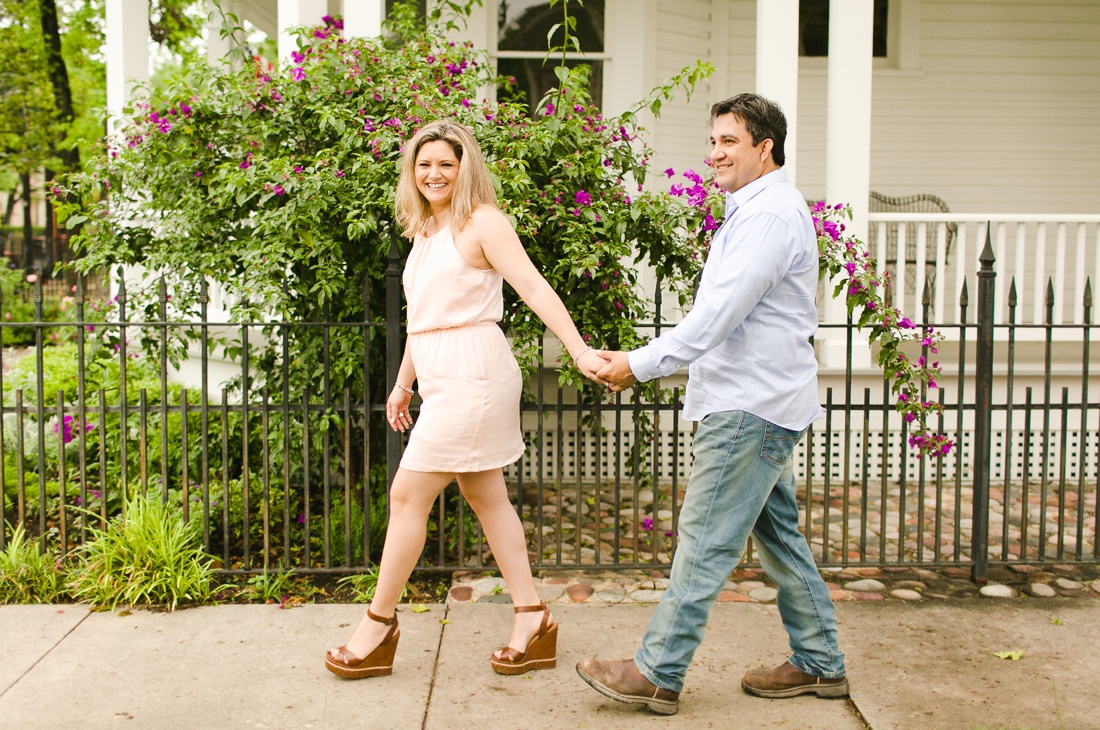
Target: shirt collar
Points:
(747, 193)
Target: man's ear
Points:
(766, 149)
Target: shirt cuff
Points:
(643, 363)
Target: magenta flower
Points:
(279, 190)
(583, 198)
(297, 73)
(670, 172)
(647, 524)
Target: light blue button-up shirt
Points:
(746, 339)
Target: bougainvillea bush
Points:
(279, 186)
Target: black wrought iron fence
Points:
(280, 476)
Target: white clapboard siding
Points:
(1000, 115)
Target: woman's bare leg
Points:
(412, 496)
(488, 497)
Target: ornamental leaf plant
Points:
(278, 185)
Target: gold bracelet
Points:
(403, 389)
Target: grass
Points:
(26, 574)
(150, 557)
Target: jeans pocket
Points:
(778, 443)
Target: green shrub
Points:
(26, 575)
(268, 587)
(363, 586)
(152, 557)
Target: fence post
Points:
(393, 349)
(983, 411)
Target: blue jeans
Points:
(742, 482)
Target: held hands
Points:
(607, 367)
(397, 410)
(616, 372)
(590, 362)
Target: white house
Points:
(990, 106)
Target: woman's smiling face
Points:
(436, 172)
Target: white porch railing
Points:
(1030, 250)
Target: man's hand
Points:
(616, 373)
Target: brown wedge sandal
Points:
(542, 649)
(379, 663)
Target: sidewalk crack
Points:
(46, 654)
(435, 667)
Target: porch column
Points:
(777, 65)
(294, 13)
(363, 18)
(848, 144)
(631, 68)
(127, 43)
(217, 46)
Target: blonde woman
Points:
(468, 427)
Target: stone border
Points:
(751, 585)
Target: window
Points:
(813, 28)
(521, 45)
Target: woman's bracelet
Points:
(403, 389)
(581, 354)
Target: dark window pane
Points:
(813, 28)
(522, 25)
(533, 79)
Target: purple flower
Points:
(709, 224)
(905, 324)
(298, 169)
(320, 34)
(676, 190)
(297, 73)
(550, 109)
(279, 190)
(245, 164)
(583, 198)
(198, 173)
(670, 172)
(693, 176)
(647, 524)
(339, 173)
(297, 57)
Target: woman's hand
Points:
(397, 409)
(589, 363)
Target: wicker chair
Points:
(924, 203)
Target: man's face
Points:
(735, 160)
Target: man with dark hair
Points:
(752, 385)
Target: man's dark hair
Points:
(762, 118)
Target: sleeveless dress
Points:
(466, 373)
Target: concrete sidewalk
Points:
(911, 666)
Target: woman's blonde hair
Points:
(473, 187)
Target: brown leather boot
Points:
(787, 681)
(621, 680)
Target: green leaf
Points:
(419, 608)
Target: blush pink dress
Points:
(465, 370)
